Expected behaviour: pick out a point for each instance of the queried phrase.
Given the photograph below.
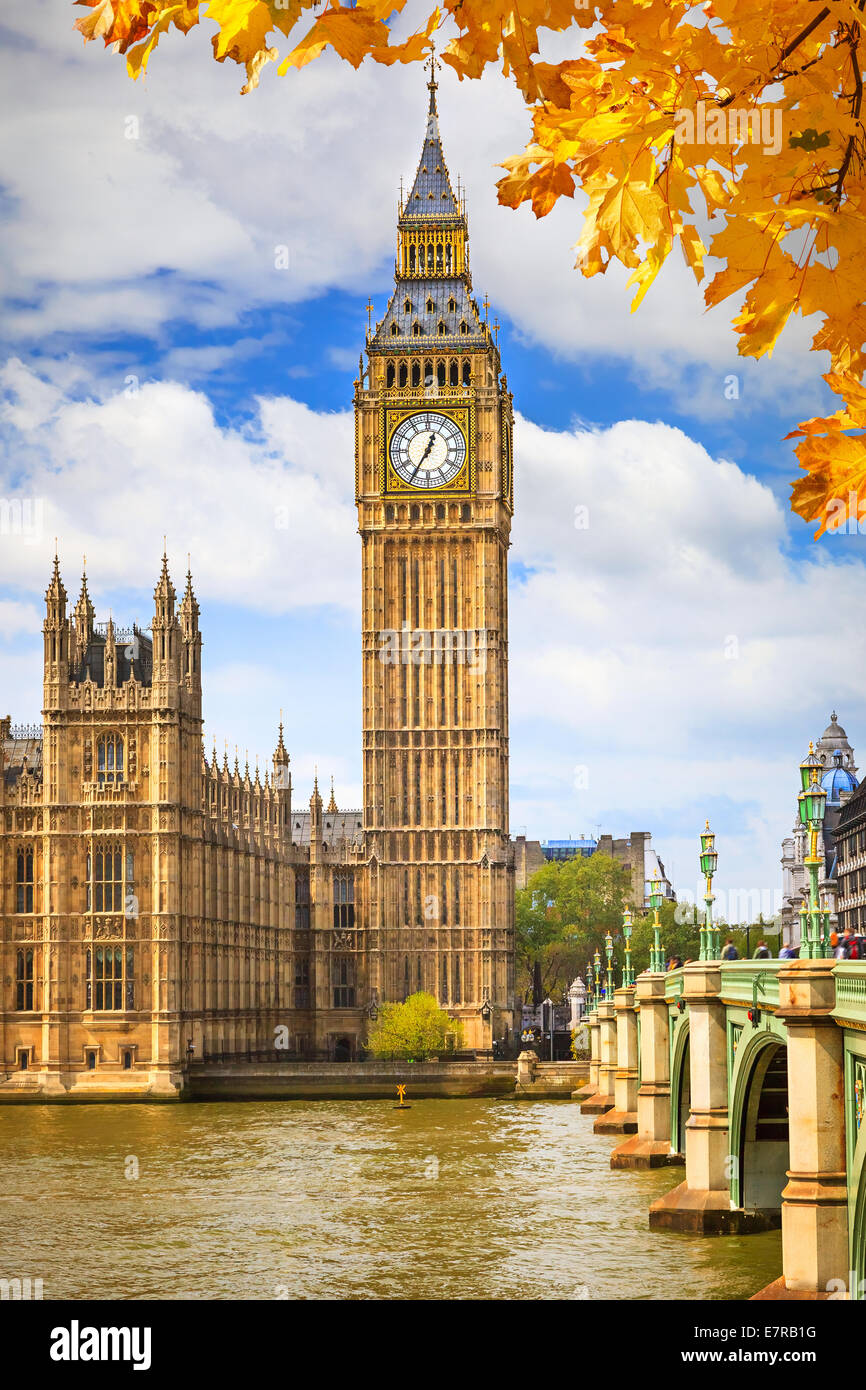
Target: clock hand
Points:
(430, 443)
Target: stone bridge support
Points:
(815, 1200)
(591, 1087)
(702, 1203)
(651, 1146)
(603, 1099)
(622, 1119)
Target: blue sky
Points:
(160, 375)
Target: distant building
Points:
(840, 783)
(636, 853)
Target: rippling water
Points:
(451, 1199)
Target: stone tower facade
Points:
(434, 430)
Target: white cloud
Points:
(111, 234)
(257, 509)
(673, 647)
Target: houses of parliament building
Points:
(159, 905)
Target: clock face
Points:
(428, 449)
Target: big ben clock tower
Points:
(433, 428)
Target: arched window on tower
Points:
(416, 373)
(464, 326)
(389, 374)
(467, 372)
(394, 330)
(428, 373)
(404, 373)
(448, 259)
(24, 981)
(411, 262)
(458, 993)
(441, 329)
(24, 881)
(109, 759)
(452, 303)
(430, 256)
(440, 373)
(443, 999)
(405, 978)
(407, 305)
(454, 372)
(430, 306)
(416, 329)
(439, 265)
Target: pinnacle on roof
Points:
(332, 805)
(280, 755)
(431, 194)
(55, 587)
(165, 589)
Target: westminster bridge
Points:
(751, 1074)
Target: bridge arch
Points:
(758, 1119)
(681, 1087)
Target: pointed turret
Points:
(166, 640)
(190, 638)
(83, 616)
(56, 639)
(332, 805)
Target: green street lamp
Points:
(590, 985)
(609, 983)
(627, 969)
(812, 802)
(597, 959)
(657, 961)
(709, 863)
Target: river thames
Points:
(452, 1199)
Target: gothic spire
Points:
(332, 805)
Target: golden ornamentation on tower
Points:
(434, 494)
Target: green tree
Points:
(562, 917)
(416, 1028)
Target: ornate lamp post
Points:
(590, 985)
(657, 961)
(597, 959)
(627, 969)
(709, 863)
(609, 981)
(812, 802)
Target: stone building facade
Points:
(158, 905)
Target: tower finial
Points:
(434, 65)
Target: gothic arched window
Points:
(467, 373)
(109, 758)
(405, 978)
(389, 374)
(109, 884)
(416, 374)
(444, 994)
(403, 373)
(440, 373)
(24, 980)
(343, 981)
(453, 373)
(24, 881)
(411, 265)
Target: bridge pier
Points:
(651, 1146)
(591, 1087)
(702, 1203)
(815, 1200)
(603, 1099)
(622, 1119)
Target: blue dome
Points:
(837, 780)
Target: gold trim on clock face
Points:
(427, 449)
